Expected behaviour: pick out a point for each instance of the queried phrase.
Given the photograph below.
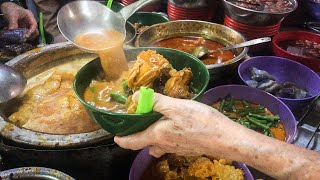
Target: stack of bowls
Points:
(251, 31)
(180, 12)
(148, 8)
(254, 23)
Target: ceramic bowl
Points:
(125, 124)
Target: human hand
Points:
(187, 128)
(19, 17)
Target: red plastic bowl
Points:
(312, 63)
(251, 27)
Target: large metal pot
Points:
(31, 64)
(219, 73)
(103, 161)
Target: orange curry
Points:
(188, 44)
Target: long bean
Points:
(265, 117)
(221, 105)
(255, 122)
(245, 103)
(270, 133)
(118, 97)
(270, 124)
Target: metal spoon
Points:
(12, 83)
(80, 17)
(200, 51)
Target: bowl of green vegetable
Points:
(121, 124)
(254, 109)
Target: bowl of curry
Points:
(254, 109)
(167, 71)
(174, 167)
(187, 35)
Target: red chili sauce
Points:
(188, 44)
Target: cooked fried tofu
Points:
(53, 108)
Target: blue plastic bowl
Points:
(256, 96)
(313, 9)
(285, 70)
(143, 160)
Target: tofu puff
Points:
(53, 108)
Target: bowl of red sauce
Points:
(300, 46)
(186, 35)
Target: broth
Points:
(108, 44)
(188, 44)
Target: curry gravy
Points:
(108, 45)
(188, 44)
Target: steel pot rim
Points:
(211, 66)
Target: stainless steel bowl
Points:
(36, 173)
(218, 72)
(131, 33)
(253, 17)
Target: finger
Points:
(163, 104)
(135, 142)
(32, 23)
(156, 151)
(12, 21)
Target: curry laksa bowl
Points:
(254, 97)
(143, 162)
(125, 124)
(198, 33)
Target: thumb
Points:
(163, 104)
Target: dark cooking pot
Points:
(102, 161)
(219, 73)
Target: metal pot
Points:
(219, 73)
(39, 173)
(31, 64)
(254, 17)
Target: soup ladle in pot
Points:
(12, 83)
(200, 51)
(81, 17)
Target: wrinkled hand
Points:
(185, 129)
(19, 17)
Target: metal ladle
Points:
(200, 51)
(80, 17)
(12, 83)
